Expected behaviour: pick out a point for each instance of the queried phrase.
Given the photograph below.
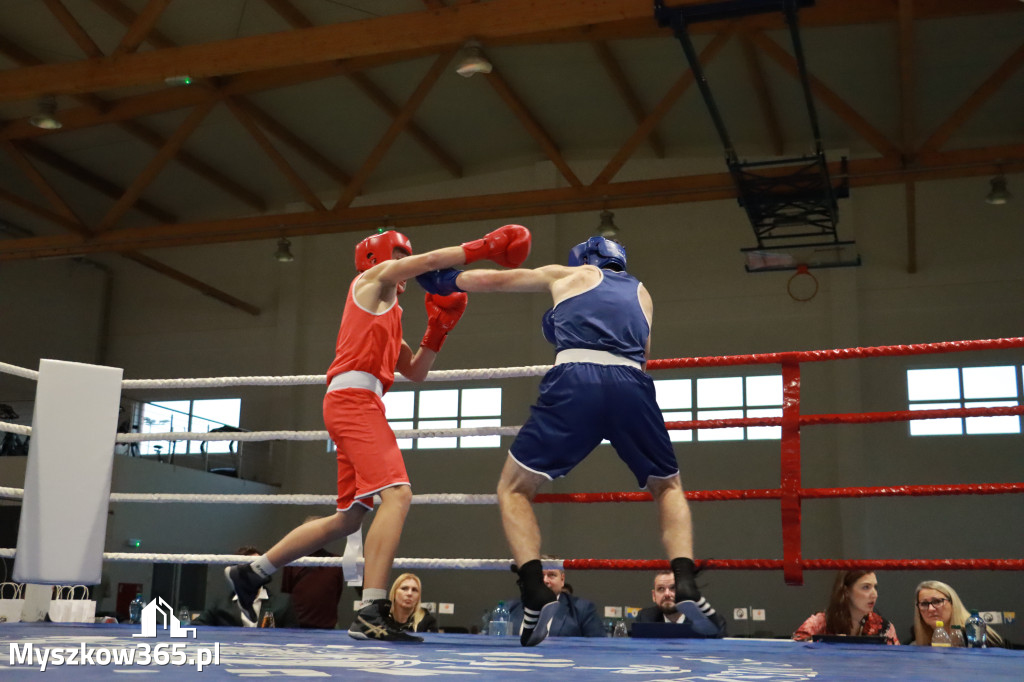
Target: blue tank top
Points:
(607, 317)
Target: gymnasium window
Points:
(188, 415)
(962, 387)
(722, 398)
(443, 409)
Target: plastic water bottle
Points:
(498, 625)
(135, 609)
(956, 636)
(940, 637)
(976, 631)
(621, 630)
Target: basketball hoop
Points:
(802, 287)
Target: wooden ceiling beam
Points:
(648, 192)
(161, 101)
(290, 174)
(38, 211)
(827, 97)
(155, 166)
(65, 217)
(297, 19)
(141, 27)
(380, 98)
(825, 13)
(129, 18)
(289, 13)
(399, 123)
(621, 82)
(532, 125)
(196, 165)
(659, 112)
(191, 282)
(991, 85)
(500, 22)
(45, 188)
(98, 106)
(73, 28)
(91, 179)
(303, 148)
(437, 29)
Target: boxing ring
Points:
(253, 653)
(305, 653)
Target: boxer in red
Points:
(369, 350)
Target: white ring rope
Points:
(301, 379)
(299, 499)
(228, 559)
(321, 379)
(19, 371)
(15, 428)
(256, 436)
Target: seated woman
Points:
(937, 601)
(405, 605)
(851, 610)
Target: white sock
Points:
(262, 567)
(373, 594)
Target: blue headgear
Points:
(600, 252)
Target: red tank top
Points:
(368, 342)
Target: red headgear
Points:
(377, 248)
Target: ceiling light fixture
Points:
(175, 81)
(998, 195)
(473, 60)
(47, 116)
(284, 251)
(608, 229)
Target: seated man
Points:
(664, 597)
(574, 617)
(226, 611)
(664, 610)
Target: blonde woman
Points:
(405, 605)
(935, 601)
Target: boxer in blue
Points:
(600, 325)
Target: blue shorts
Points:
(580, 405)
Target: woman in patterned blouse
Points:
(851, 611)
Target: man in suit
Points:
(664, 597)
(226, 611)
(574, 617)
(664, 610)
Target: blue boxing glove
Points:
(440, 282)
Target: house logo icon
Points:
(158, 608)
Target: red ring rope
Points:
(839, 353)
(790, 492)
(807, 564)
(805, 493)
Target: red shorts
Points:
(368, 456)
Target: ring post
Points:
(67, 477)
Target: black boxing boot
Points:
(704, 620)
(246, 584)
(539, 603)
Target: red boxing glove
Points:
(508, 246)
(443, 313)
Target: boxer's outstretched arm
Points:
(519, 280)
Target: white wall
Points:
(968, 285)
